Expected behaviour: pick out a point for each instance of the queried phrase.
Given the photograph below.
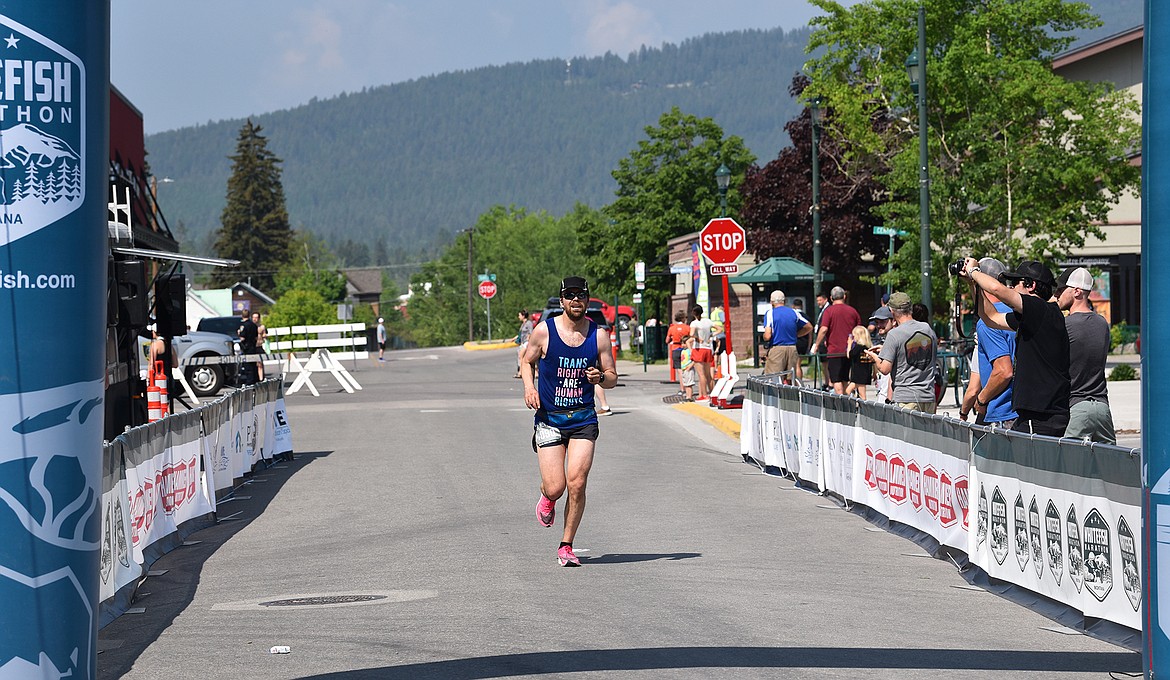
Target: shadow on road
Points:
(665, 658)
(625, 558)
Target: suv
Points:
(206, 379)
(624, 313)
(227, 325)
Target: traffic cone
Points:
(153, 404)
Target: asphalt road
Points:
(421, 488)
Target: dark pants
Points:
(1048, 424)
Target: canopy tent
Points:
(770, 275)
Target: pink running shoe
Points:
(566, 558)
(546, 511)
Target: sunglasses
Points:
(578, 295)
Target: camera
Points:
(956, 267)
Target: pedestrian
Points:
(381, 339)
(676, 333)
(802, 341)
(908, 355)
(248, 333)
(718, 336)
(687, 375)
(989, 392)
(881, 322)
(261, 336)
(1040, 388)
(1089, 416)
(782, 326)
(522, 335)
(837, 322)
(860, 363)
(702, 355)
(573, 358)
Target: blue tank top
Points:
(566, 398)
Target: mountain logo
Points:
(42, 132)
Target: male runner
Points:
(573, 358)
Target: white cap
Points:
(1080, 278)
(379, 319)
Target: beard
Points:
(574, 315)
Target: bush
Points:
(1116, 335)
(1123, 372)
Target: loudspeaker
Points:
(130, 286)
(170, 305)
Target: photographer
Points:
(1040, 391)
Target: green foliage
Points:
(1123, 372)
(666, 188)
(301, 307)
(529, 253)
(1116, 335)
(1022, 162)
(255, 228)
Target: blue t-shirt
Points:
(993, 344)
(566, 397)
(784, 323)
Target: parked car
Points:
(625, 313)
(594, 315)
(206, 379)
(227, 325)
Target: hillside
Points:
(415, 162)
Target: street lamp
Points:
(723, 179)
(916, 70)
(815, 118)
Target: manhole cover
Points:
(322, 600)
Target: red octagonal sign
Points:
(722, 241)
(487, 289)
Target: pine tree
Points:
(255, 227)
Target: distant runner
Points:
(573, 358)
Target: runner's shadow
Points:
(624, 558)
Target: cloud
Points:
(620, 27)
(314, 42)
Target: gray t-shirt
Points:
(911, 347)
(701, 329)
(1088, 345)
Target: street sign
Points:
(722, 241)
(890, 231)
(639, 272)
(721, 269)
(637, 298)
(487, 290)
(487, 277)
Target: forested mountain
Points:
(410, 164)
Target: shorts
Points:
(688, 377)
(837, 368)
(551, 436)
(780, 358)
(702, 355)
(381, 345)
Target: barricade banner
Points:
(839, 434)
(751, 434)
(281, 439)
(218, 443)
(1060, 519)
(811, 437)
(913, 469)
(790, 428)
(118, 568)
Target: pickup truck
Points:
(625, 313)
(206, 379)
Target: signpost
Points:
(722, 242)
(487, 291)
(891, 232)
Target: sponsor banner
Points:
(281, 439)
(1062, 521)
(839, 437)
(791, 426)
(811, 438)
(751, 422)
(917, 473)
(54, 156)
(118, 566)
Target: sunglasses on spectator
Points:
(1012, 283)
(575, 295)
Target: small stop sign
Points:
(722, 241)
(487, 289)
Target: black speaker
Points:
(130, 280)
(170, 305)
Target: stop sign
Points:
(722, 241)
(487, 289)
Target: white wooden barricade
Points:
(327, 347)
(721, 392)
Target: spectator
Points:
(837, 322)
(702, 354)
(909, 354)
(248, 333)
(802, 341)
(782, 326)
(676, 333)
(860, 363)
(526, 327)
(880, 323)
(261, 336)
(718, 336)
(382, 342)
(687, 372)
(989, 392)
(1089, 416)
(1040, 389)
(919, 312)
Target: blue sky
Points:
(186, 63)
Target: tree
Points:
(666, 188)
(1022, 162)
(255, 228)
(314, 267)
(301, 308)
(777, 197)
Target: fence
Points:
(162, 481)
(1065, 512)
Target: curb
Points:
(713, 418)
(498, 344)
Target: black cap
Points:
(573, 282)
(1030, 269)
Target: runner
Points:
(573, 358)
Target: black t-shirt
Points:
(1041, 382)
(248, 335)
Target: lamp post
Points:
(815, 119)
(723, 180)
(916, 70)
